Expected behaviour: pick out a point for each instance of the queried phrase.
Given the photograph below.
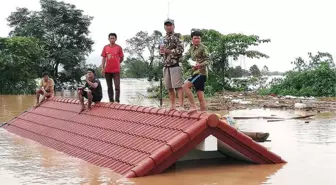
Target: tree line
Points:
(313, 77)
(56, 39)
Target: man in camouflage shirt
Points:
(172, 56)
(199, 54)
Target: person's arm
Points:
(51, 86)
(41, 83)
(93, 85)
(206, 57)
(103, 63)
(103, 54)
(179, 46)
(121, 54)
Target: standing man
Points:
(46, 87)
(112, 57)
(92, 90)
(199, 54)
(172, 50)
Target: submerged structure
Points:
(133, 140)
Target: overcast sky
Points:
(295, 27)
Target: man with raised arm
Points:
(92, 90)
(172, 50)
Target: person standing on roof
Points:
(46, 87)
(92, 90)
(172, 49)
(200, 56)
(112, 55)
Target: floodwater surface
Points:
(309, 149)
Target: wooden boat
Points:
(2, 124)
(257, 136)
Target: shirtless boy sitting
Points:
(46, 87)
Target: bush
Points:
(319, 81)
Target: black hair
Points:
(45, 73)
(112, 34)
(93, 71)
(195, 32)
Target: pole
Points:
(168, 10)
(161, 66)
(161, 91)
(160, 75)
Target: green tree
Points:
(62, 29)
(314, 61)
(135, 68)
(143, 44)
(254, 70)
(264, 70)
(21, 59)
(315, 77)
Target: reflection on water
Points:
(309, 148)
(26, 162)
(209, 172)
(12, 105)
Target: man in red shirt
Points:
(112, 57)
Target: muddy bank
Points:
(238, 100)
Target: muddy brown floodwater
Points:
(309, 149)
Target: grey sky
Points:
(295, 27)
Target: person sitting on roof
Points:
(92, 90)
(46, 87)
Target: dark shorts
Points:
(47, 91)
(198, 81)
(95, 97)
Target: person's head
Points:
(112, 37)
(45, 75)
(196, 36)
(91, 73)
(169, 25)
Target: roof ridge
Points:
(152, 110)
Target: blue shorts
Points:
(198, 81)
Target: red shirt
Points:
(113, 54)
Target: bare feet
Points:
(179, 108)
(37, 104)
(192, 110)
(171, 108)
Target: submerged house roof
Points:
(131, 140)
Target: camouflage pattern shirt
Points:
(200, 55)
(173, 42)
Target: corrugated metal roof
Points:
(131, 140)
